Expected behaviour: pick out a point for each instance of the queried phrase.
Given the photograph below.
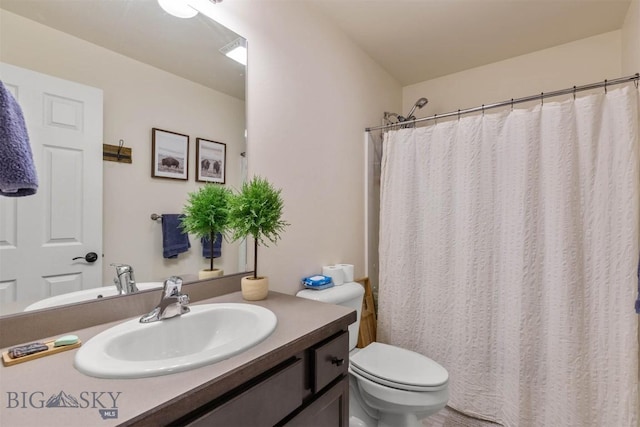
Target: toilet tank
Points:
(348, 295)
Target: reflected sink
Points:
(207, 334)
(86, 295)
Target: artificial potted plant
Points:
(206, 214)
(256, 211)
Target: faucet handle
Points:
(121, 268)
(172, 303)
(172, 286)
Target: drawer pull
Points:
(337, 362)
(330, 360)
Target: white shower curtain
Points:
(509, 254)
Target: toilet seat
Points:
(399, 368)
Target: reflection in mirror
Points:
(142, 69)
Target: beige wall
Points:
(310, 97)
(631, 40)
(311, 93)
(577, 63)
(137, 97)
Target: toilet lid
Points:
(398, 368)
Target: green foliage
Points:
(256, 211)
(207, 211)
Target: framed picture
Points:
(211, 158)
(169, 154)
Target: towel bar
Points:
(156, 217)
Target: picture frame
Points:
(211, 161)
(169, 155)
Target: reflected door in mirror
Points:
(41, 234)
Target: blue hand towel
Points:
(18, 177)
(638, 299)
(174, 240)
(217, 246)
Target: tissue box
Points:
(317, 282)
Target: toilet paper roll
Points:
(336, 273)
(348, 271)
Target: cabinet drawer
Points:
(330, 360)
(330, 409)
(261, 405)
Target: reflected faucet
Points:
(172, 302)
(125, 281)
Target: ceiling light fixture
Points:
(236, 50)
(178, 8)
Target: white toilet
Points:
(388, 386)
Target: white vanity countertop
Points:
(26, 387)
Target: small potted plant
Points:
(256, 211)
(206, 214)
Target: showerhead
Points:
(419, 104)
(388, 117)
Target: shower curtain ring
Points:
(459, 109)
(574, 93)
(483, 110)
(511, 104)
(605, 86)
(542, 98)
(435, 118)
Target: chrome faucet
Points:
(125, 281)
(172, 303)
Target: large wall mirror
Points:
(153, 70)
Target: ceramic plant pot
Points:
(254, 289)
(210, 274)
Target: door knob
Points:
(89, 257)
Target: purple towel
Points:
(174, 240)
(217, 246)
(18, 177)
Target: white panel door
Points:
(41, 234)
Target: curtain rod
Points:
(512, 101)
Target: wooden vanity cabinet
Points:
(311, 388)
(328, 409)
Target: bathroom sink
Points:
(207, 334)
(85, 295)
